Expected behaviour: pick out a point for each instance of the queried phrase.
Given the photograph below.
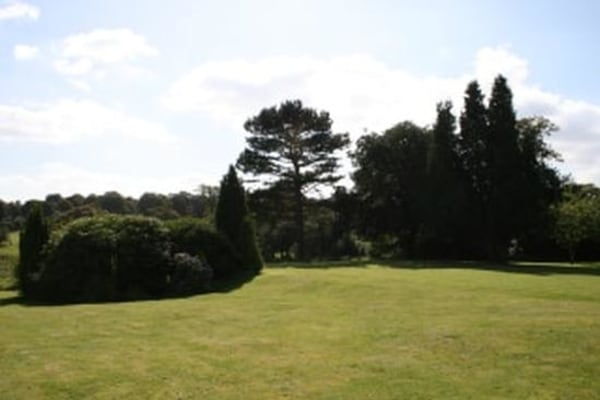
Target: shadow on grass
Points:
(532, 268)
(9, 301)
(221, 286)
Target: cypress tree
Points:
(473, 152)
(445, 192)
(473, 139)
(32, 239)
(233, 220)
(505, 166)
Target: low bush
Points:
(189, 275)
(143, 256)
(196, 237)
(106, 258)
(80, 263)
(115, 257)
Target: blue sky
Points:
(148, 95)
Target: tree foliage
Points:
(466, 194)
(577, 218)
(31, 243)
(233, 220)
(445, 191)
(293, 146)
(503, 216)
(390, 180)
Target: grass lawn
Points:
(356, 332)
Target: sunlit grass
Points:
(320, 333)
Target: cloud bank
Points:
(364, 94)
(66, 121)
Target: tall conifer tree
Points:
(32, 239)
(445, 189)
(506, 170)
(473, 152)
(233, 220)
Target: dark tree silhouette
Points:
(31, 242)
(390, 179)
(233, 220)
(446, 195)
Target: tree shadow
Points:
(221, 286)
(10, 301)
(531, 268)
(231, 284)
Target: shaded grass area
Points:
(320, 333)
(9, 256)
(520, 267)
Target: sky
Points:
(151, 96)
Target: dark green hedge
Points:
(110, 257)
(196, 237)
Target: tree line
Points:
(479, 183)
(108, 257)
(59, 209)
(482, 185)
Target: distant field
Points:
(361, 332)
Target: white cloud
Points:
(362, 93)
(97, 53)
(359, 91)
(491, 61)
(18, 10)
(23, 52)
(69, 120)
(67, 179)
(80, 85)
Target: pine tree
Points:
(295, 146)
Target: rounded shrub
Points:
(115, 257)
(190, 275)
(106, 258)
(196, 237)
(80, 262)
(143, 256)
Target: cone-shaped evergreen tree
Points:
(32, 239)
(505, 166)
(473, 138)
(445, 189)
(473, 141)
(233, 220)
